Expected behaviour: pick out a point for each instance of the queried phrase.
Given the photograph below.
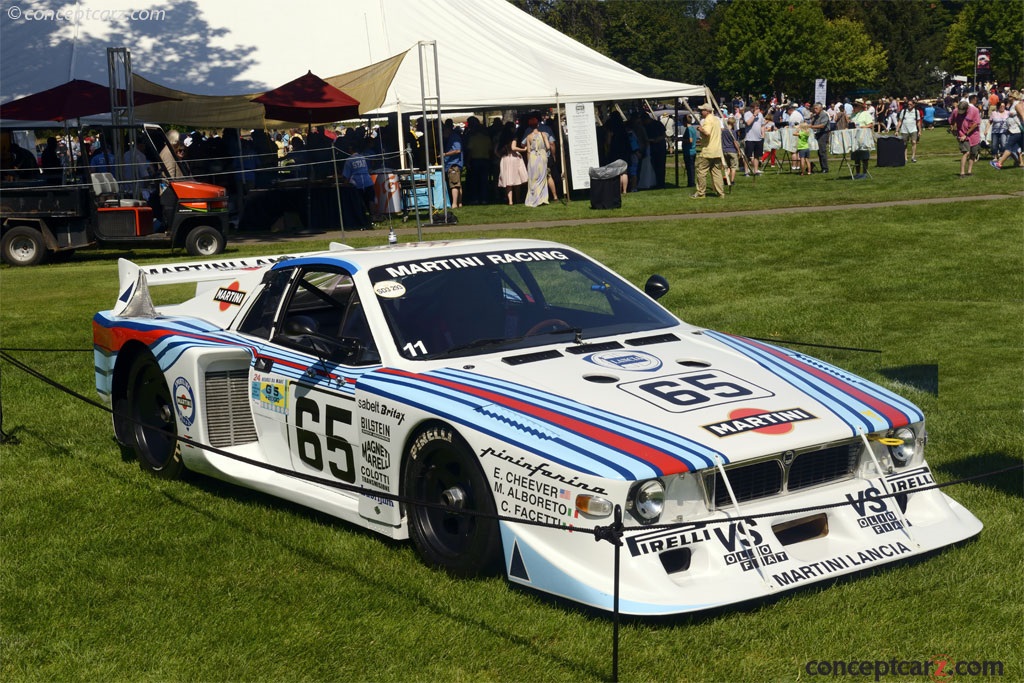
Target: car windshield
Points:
(500, 300)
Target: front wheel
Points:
(23, 246)
(151, 428)
(440, 469)
(204, 241)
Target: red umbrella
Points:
(308, 99)
(71, 100)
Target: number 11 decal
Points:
(413, 349)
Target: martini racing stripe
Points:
(865, 402)
(895, 408)
(624, 444)
(168, 343)
(836, 402)
(650, 434)
(661, 461)
(463, 409)
(856, 414)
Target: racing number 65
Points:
(706, 384)
(308, 443)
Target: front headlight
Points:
(647, 501)
(912, 446)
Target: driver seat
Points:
(106, 189)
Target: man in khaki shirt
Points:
(710, 156)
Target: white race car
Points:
(520, 378)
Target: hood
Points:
(662, 404)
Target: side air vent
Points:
(228, 415)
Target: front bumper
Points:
(723, 559)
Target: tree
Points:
(854, 61)
(913, 35)
(773, 44)
(983, 23)
(581, 20)
(668, 39)
(660, 38)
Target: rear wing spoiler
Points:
(133, 297)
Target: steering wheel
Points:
(550, 322)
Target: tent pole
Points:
(559, 118)
(401, 137)
(337, 189)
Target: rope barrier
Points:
(612, 533)
(119, 168)
(601, 532)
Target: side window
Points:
(356, 330)
(259, 321)
(323, 317)
(318, 302)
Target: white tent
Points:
(490, 54)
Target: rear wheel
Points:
(441, 469)
(23, 246)
(204, 241)
(152, 430)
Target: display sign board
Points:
(582, 142)
(820, 89)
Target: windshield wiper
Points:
(481, 344)
(578, 331)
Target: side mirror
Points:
(656, 287)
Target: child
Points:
(769, 155)
(803, 147)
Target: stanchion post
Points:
(613, 534)
(617, 542)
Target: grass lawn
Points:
(112, 575)
(934, 175)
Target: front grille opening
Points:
(675, 561)
(749, 482)
(800, 530)
(820, 467)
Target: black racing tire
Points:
(23, 246)
(204, 240)
(152, 427)
(439, 461)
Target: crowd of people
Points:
(520, 160)
(718, 137)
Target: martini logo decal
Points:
(184, 401)
(229, 296)
(750, 419)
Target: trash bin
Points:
(891, 152)
(605, 186)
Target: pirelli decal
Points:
(777, 422)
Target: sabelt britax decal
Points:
(750, 419)
(633, 361)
